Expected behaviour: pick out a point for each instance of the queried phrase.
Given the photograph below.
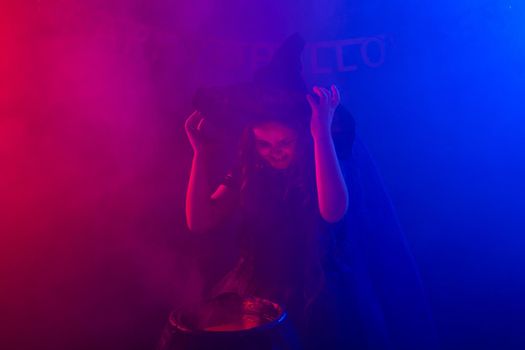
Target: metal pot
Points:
(231, 322)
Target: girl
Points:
(290, 195)
(318, 233)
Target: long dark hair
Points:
(298, 191)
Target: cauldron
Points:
(231, 322)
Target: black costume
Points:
(370, 296)
(282, 243)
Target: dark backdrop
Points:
(94, 161)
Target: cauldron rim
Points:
(175, 322)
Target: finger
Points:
(311, 101)
(326, 93)
(336, 97)
(195, 114)
(199, 124)
(319, 92)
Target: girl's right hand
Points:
(194, 130)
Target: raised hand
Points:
(323, 109)
(194, 126)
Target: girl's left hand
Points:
(323, 110)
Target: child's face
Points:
(275, 143)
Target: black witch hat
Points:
(276, 91)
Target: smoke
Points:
(92, 182)
(94, 162)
